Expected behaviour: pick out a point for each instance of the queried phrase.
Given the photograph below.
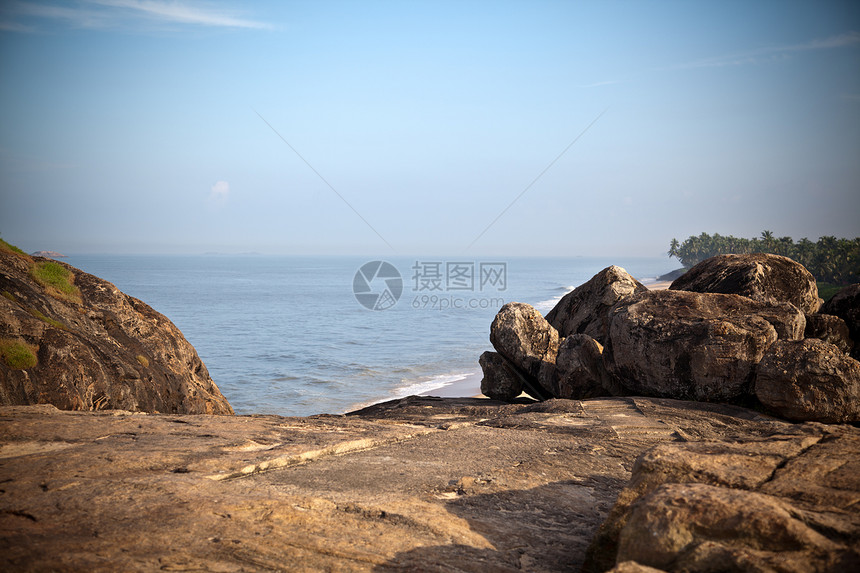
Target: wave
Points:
(545, 306)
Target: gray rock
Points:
(585, 310)
(846, 305)
(501, 381)
(579, 372)
(763, 277)
(97, 349)
(695, 346)
(522, 335)
(809, 380)
(829, 328)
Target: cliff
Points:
(73, 340)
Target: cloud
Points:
(118, 13)
(771, 53)
(219, 192)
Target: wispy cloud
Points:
(600, 84)
(219, 192)
(123, 13)
(771, 53)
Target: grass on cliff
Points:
(47, 319)
(16, 354)
(57, 280)
(9, 248)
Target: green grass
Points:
(144, 361)
(12, 249)
(47, 319)
(9, 295)
(57, 280)
(16, 354)
(827, 290)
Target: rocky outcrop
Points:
(585, 310)
(501, 380)
(579, 372)
(783, 503)
(693, 346)
(762, 277)
(522, 335)
(846, 305)
(91, 347)
(830, 329)
(809, 380)
(418, 484)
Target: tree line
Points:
(830, 260)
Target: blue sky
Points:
(382, 128)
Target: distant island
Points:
(49, 254)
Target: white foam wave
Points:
(545, 306)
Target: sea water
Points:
(287, 334)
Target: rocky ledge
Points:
(425, 484)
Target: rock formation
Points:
(613, 337)
(88, 346)
(846, 305)
(762, 277)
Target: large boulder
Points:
(760, 276)
(809, 380)
(579, 372)
(694, 346)
(501, 380)
(522, 335)
(585, 310)
(829, 328)
(776, 502)
(89, 346)
(846, 305)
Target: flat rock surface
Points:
(422, 484)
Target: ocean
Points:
(298, 336)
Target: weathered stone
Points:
(809, 380)
(106, 351)
(846, 305)
(579, 372)
(522, 335)
(501, 381)
(829, 328)
(633, 567)
(585, 310)
(695, 346)
(763, 277)
(783, 502)
(415, 484)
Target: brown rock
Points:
(501, 381)
(846, 305)
(579, 372)
(809, 380)
(763, 277)
(585, 310)
(829, 328)
(693, 346)
(100, 349)
(522, 335)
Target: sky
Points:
(447, 128)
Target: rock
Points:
(418, 484)
(96, 348)
(694, 346)
(585, 310)
(522, 335)
(579, 372)
(846, 305)
(501, 381)
(762, 277)
(809, 380)
(829, 328)
(769, 503)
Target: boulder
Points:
(760, 276)
(809, 380)
(846, 305)
(522, 335)
(585, 310)
(694, 346)
(829, 328)
(94, 347)
(501, 381)
(579, 372)
(775, 502)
